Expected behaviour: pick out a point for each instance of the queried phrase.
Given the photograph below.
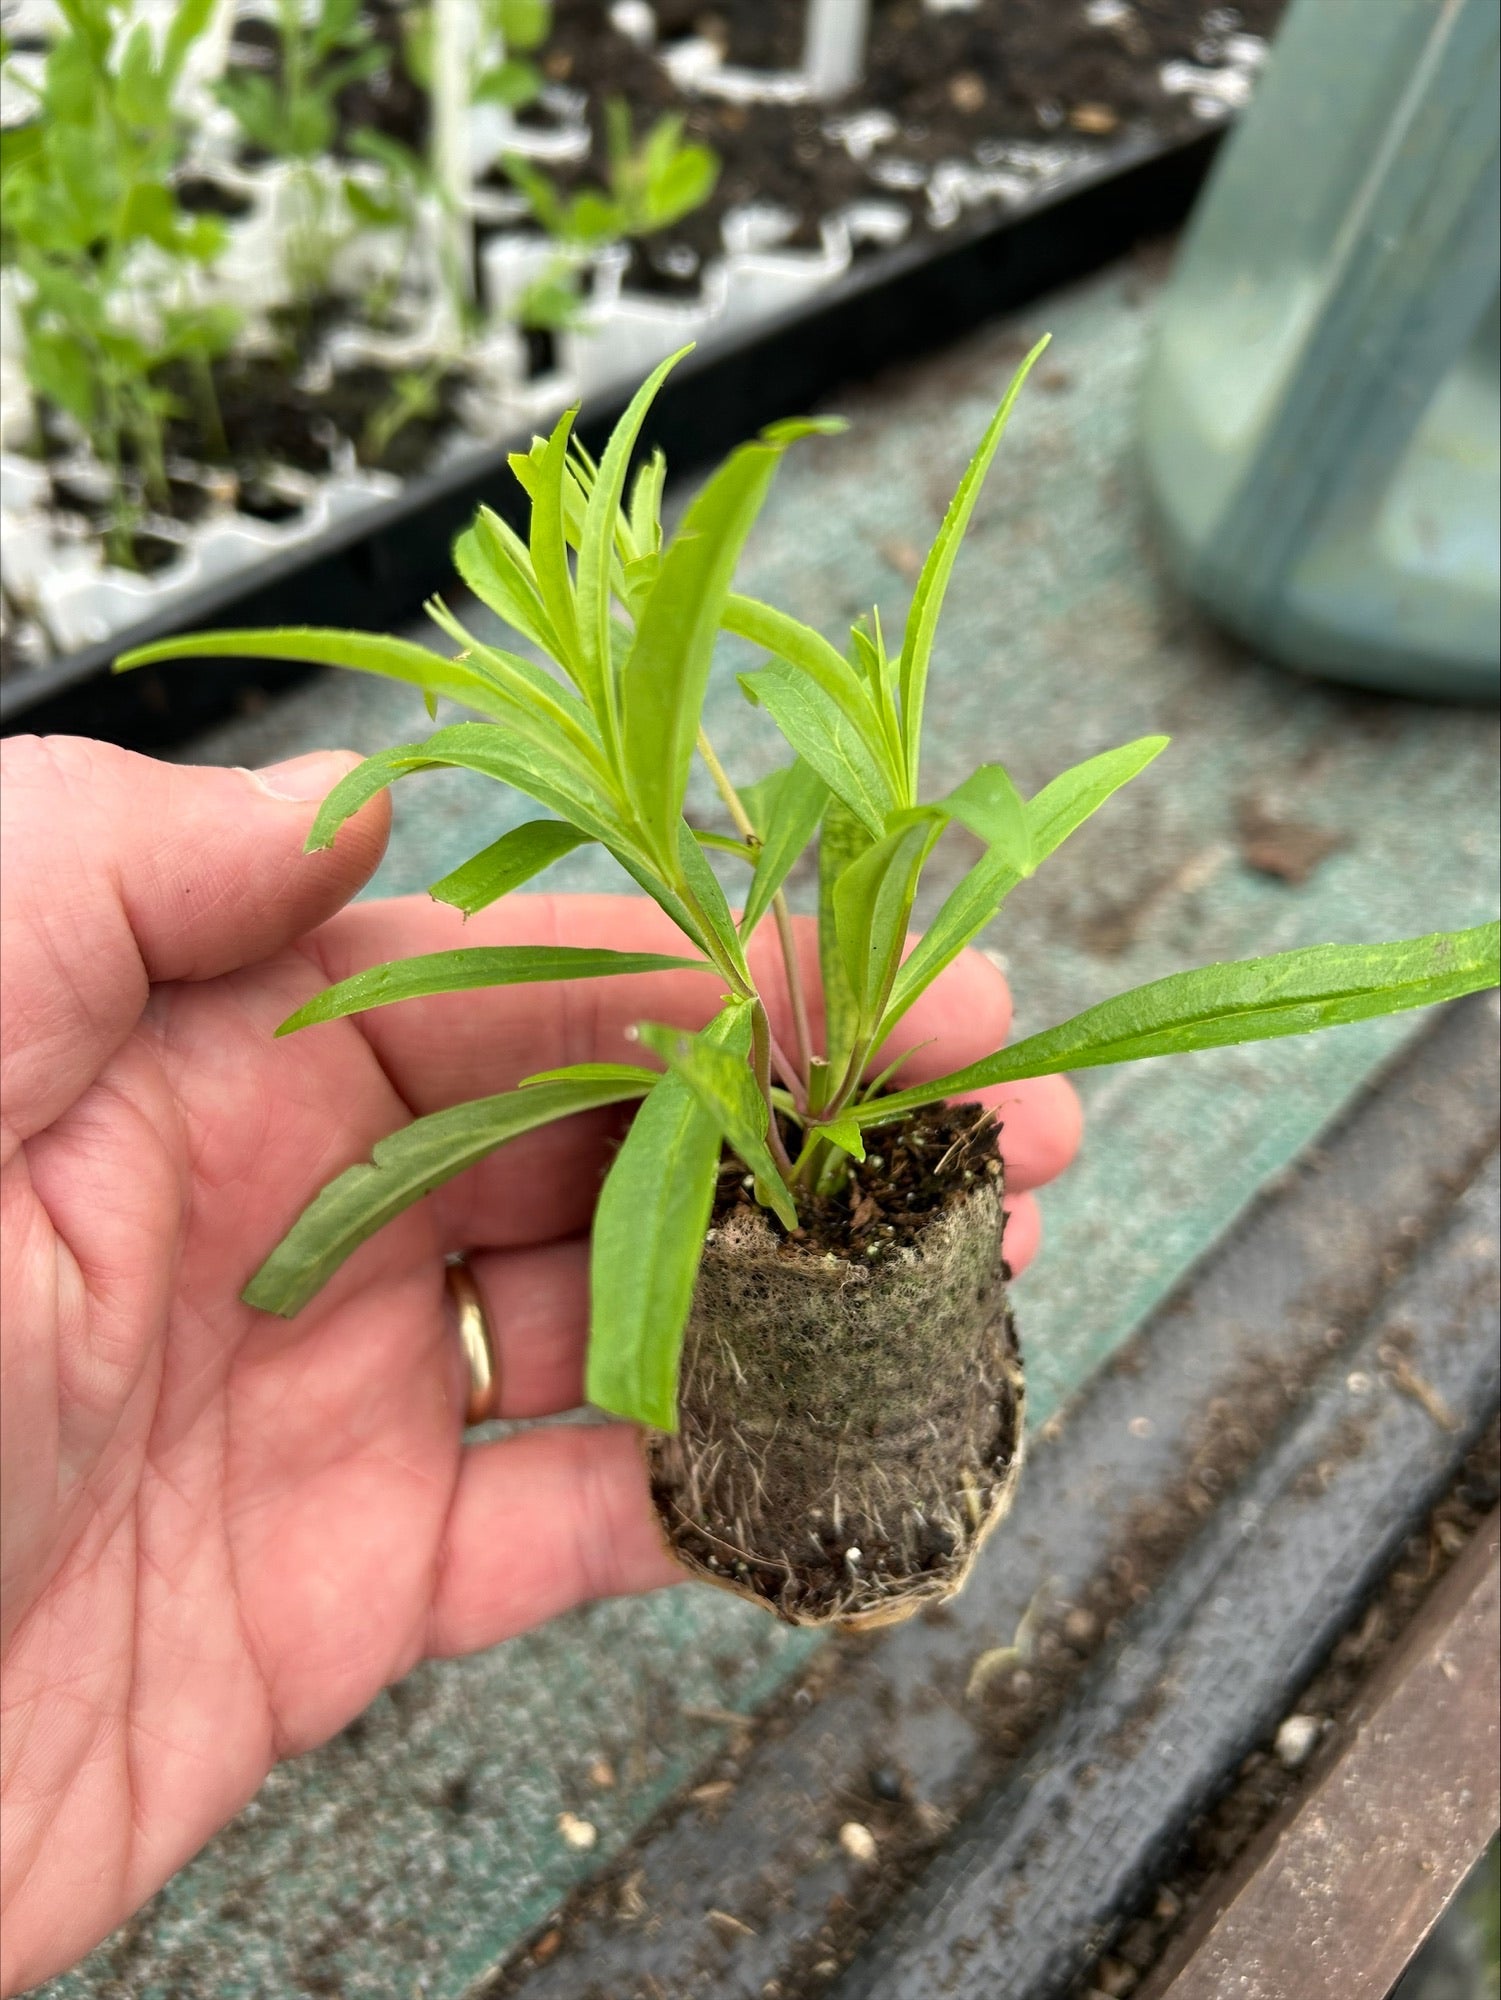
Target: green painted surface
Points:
(410, 1855)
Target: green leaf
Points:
(824, 737)
(524, 24)
(549, 552)
(401, 1170)
(646, 505)
(1249, 1000)
(1052, 816)
(840, 844)
(927, 601)
(844, 1132)
(548, 777)
(1074, 795)
(704, 883)
(992, 808)
(362, 652)
(667, 667)
(798, 645)
(595, 1073)
(601, 517)
(536, 703)
(493, 560)
(797, 808)
(648, 1239)
(724, 1085)
(872, 902)
(188, 21)
(506, 863)
(478, 965)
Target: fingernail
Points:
(302, 779)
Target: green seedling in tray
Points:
(106, 255)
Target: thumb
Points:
(120, 872)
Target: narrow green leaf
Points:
(796, 809)
(647, 1240)
(724, 1085)
(595, 1073)
(872, 902)
(539, 705)
(844, 1132)
(506, 863)
(363, 652)
(1249, 1000)
(549, 552)
(704, 884)
(644, 875)
(798, 645)
(825, 738)
(927, 601)
(493, 561)
(646, 505)
(992, 809)
(544, 776)
(596, 546)
(357, 787)
(841, 842)
(1074, 795)
(402, 1169)
(667, 667)
(473, 966)
(1057, 810)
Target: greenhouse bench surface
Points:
(1275, 1262)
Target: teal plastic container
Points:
(1322, 422)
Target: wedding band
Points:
(477, 1342)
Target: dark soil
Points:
(850, 1403)
(957, 84)
(271, 419)
(201, 196)
(932, 1158)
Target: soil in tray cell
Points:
(954, 86)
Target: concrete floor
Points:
(412, 1854)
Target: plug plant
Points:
(105, 254)
(833, 1429)
(651, 183)
(292, 115)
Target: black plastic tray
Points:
(378, 565)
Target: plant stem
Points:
(783, 916)
(787, 1070)
(726, 790)
(800, 1027)
(761, 1059)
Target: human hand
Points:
(224, 1533)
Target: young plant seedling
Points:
(293, 117)
(652, 184)
(105, 252)
(817, 1338)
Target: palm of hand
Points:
(232, 1528)
(225, 1533)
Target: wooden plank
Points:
(1332, 1903)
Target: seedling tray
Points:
(377, 564)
